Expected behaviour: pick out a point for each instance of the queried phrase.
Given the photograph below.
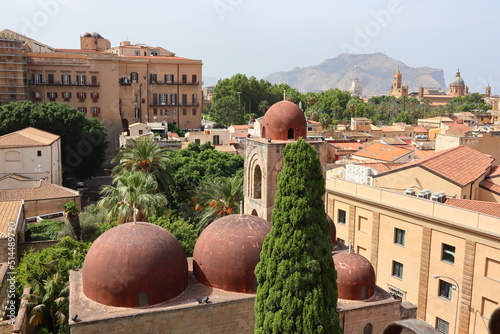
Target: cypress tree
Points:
(297, 289)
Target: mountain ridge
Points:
(376, 72)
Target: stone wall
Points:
(219, 318)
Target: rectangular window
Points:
(134, 77)
(173, 99)
(445, 289)
(37, 78)
(82, 109)
(152, 78)
(194, 112)
(195, 99)
(163, 99)
(164, 112)
(96, 110)
(94, 96)
(93, 79)
(155, 99)
(38, 153)
(448, 254)
(175, 112)
(184, 99)
(137, 113)
(341, 214)
(66, 96)
(66, 79)
(397, 269)
(52, 96)
(37, 96)
(50, 78)
(169, 78)
(155, 112)
(81, 96)
(399, 236)
(363, 224)
(194, 78)
(136, 99)
(184, 112)
(442, 326)
(137, 53)
(80, 79)
(184, 78)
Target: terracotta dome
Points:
(134, 264)
(332, 231)
(227, 252)
(283, 121)
(355, 276)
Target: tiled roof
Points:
(9, 211)
(381, 166)
(389, 128)
(353, 146)
(495, 172)
(382, 152)
(460, 165)
(419, 129)
(242, 127)
(37, 190)
(27, 137)
(488, 208)
(458, 131)
(490, 186)
(393, 141)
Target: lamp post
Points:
(458, 297)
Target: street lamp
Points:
(458, 297)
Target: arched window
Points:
(291, 134)
(12, 156)
(263, 132)
(257, 182)
(254, 213)
(368, 329)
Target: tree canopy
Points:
(83, 140)
(297, 289)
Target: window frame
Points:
(445, 286)
(341, 213)
(447, 252)
(397, 269)
(399, 236)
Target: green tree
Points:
(48, 303)
(297, 289)
(133, 196)
(72, 213)
(83, 140)
(184, 231)
(216, 198)
(226, 110)
(144, 155)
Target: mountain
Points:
(375, 71)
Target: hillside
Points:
(374, 70)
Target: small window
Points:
(152, 78)
(184, 112)
(134, 77)
(341, 216)
(445, 289)
(184, 78)
(194, 78)
(399, 236)
(38, 153)
(442, 326)
(193, 112)
(448, 254)
(93, 79)
(397, 269)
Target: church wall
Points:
(379, 316)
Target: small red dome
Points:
(283, 121)
(134, 264)
(332, 231)
(227, 252)
(355, 276)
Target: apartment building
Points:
(118, 85)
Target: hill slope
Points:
(374, 70)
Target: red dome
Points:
(355, 276)
(134, 264)
(332, 231)
(227, 252)
(283, 121)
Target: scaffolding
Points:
(13, 71)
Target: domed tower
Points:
(457, 86)
(134, 264)
(227, 252)
(355, 276)
(283, 122)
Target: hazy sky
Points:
(258, 37)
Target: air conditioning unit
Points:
(425, 194)
(410, 191)
(439, 197)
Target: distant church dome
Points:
(87, 34)
(284, 120)
(227, 252)
(457, 80)
(134, 264)
(355, 276)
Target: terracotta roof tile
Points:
(36, 190)
(353, 146)
(495, 172)
(9, 211)
(382, 152)
(27, 137)
(490, 186)
(242, 127)
(461, 165)
(488, 208)
(381, 166)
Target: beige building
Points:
(119, 86)
(32, 153)
(442, 258)
(362, 124)
(397, 88)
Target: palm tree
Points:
(144, 155)
(72, 213)
(49, 303)
(133, 196)
(216, 198)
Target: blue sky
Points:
(258, 37)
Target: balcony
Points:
(60, 83)
(174, 83)
(124, 81)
